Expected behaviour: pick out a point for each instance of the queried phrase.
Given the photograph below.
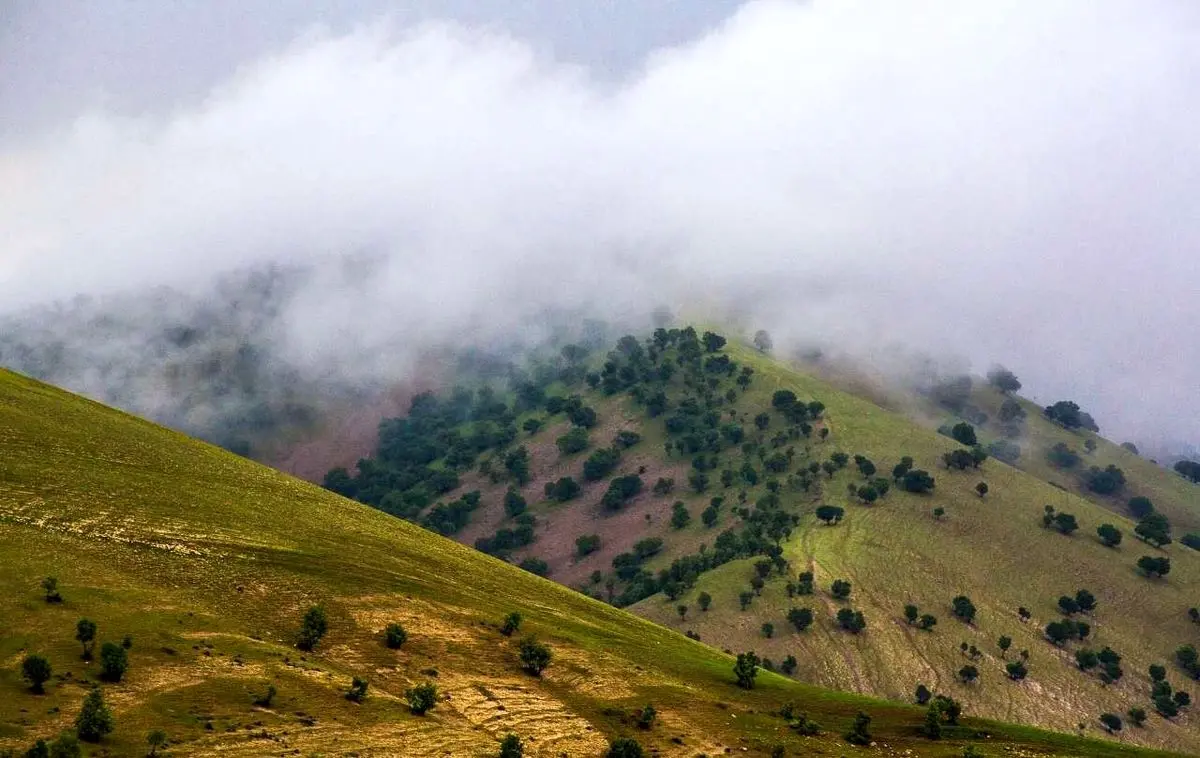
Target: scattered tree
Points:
(830, 514)
(981, 489)
(535, 656)
(156, 739)
(927, 622)
(917, 481)
(512, 623)
(768, 629)
(36, 670)
(746, 669)
(511, 747)
(762, 341)
(1154, 567)
(938, 513)
(95, 719)
(421, 698)
(1109, 535)
(1137, 716)
(358, 690)
(705, 600)
(624, 747)
(586, 544)
(1189, 470)
(85, 634)
(395, 636)
(1004, 643)
(860, 733)
(1154, 528)
(964, 433)
(113, 662)
(963, 608)
(1017, 670)
(50, 588)
(840, 589)
(1003, 379)
(1111, 721)
(850, 620)
(800, 618)
(968, 673)
(911, 614)
(923, 694)
(312, 627)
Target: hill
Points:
(200, 565)
(714, 426)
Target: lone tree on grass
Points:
(850, 620)
(510, 747)
(421, 698)
(36, 670)
(624, 747)
(1111, 721)
(85, 634)
(963, 608)
(1017, 670)
(512, 623)
(746, 669)
(1109, 535)
(968, 673)
(95, 719)
(981, 489)
(830, 514)
(800, 618)
(114, 661)
(1154, 566)
(358, 690)
(705, 600)
(535, 656)
(1137, 716)
(312, 628)
(1004, 643)
(155, 740)
(840, 589)
(860, 733)
(50, 588)
(395, 636)
(911, 614)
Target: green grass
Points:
(208, 560)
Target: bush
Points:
(1106, 481)
(1154, 567)
(860, 733)
(624, 747)
(964, 609)
(574, 441)
(1109, 535)
(36, 670)
(620, 490)
(830, 514)
(312, 628)
(562, 490)
(850, 620)
(510, 747)
(626, 439)
(1004, 450)
(1061, 456)
(156, 739)
(395, 636)
(265, 700)
(50, 588)
(917, 481)
(358, 690)
(1017, 670)
(840, 589)
(113, 662)
(534, 565)
(95, 719)
(964, 433)
(421, 698)
(512, 623)
(600, 464)
(646, 717)
(746, 669)
(800, 618)
(535, 656)
(586, 544)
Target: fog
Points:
(994, 181)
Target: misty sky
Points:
(1003, 181)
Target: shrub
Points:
(95, 719)
(1061, 456)
(830, 514)
(312, 628)
(646, 717)
(1154, 567)
(562, 490)
(964, 433)
(624, 747)
(860, 733)
(512, 623)
(574, 441)
(746, 669)
(1017, 670)
(586, 544)
(114, 661)
(963, 608)
(1004, 450)
(50, 588)
(1137, 716)
(358, 690)
(917, 481)
(1109, 535)
(1106, 481)
(85, 635)
(510, 747)
(850, 620)
(156, 739)
(36, 670)
(620, 490)
(534, 565)
(395, 636)
(800, 618)
(535, 656)
(265, 700)
(600, 464)
(421, 698)
(705, 600)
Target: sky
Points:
(992, 181)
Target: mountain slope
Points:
(993, 549)
(207, 562)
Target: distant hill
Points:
(738, 433)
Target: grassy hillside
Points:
(207, 561)
(992, 549)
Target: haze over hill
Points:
(988, 181)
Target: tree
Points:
(113, 662)
(156, 739)
(1017, 670)
(917, 481)
(514, 503)
(264, 700)
(1137, 716)
(535, 656)
(624, 747)
(850, 620)
(646, 717)
(712, 342)
(968, 673)
(800, 618)
(1085, 600)
(50, 588)
(746, 669)
(574, 441)
(745, 598)
(830, 514)
(395, 636)
(1158, 672)
(922, 694)
(840, 589)
(313, 626)
(1067, 605)
(933, 722)
(1059, 632)
(1189, 470)
(1065, 523)
(1111, 721)
(704, 600)
(95, 719)
(911, 613)
(1106, 481)
(1154, 528)
(36, 669)
(85, 634)
(1061, 456)
(358, 690)
(679, 515)
(860, 733)
(510, 747)
(586, 544)
(1154, 567)
(768, 629)
(963, 608)
(762, 341)
(938, 513)
(981, 489)
(421, 698)
(1003, 379)
(1065, 413)
(532, 425)
(964, 433)
(682, 610)
(927, 621)
(1086, 659)
(1109, 535)
(512, 623)
(1004, 643)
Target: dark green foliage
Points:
(1017, 670)
(679, 515)
(50, 590)
(1063, 523)
(534, 655)
(1004, 450)
(1191, 540)
(663, 486)
(600, 464)
(451, 518)
(840, 589)
(512, 623)
(95, 719)
(705, 600)
(1154, 528)
(1109, 535)
(1086, 659)
(744, 599)
(860, 733)
(964, 433)
(516, 462)
(395, 636)
(358, 690)
(532, 425)
(36, 670)
(586, 544)
(620, 490)
(1085, 601)
(830, 514)
(626, 439)
(1137, 716)
(313, 626)
(963, 608)
(1067, 605)
(1140, 507)
(927, 621)
(534, 565)
(712, 342)
(800, 618)
(574, 441)
(1003, 379)
(911, 614)
(917, 481)
(981, 489)
(421, 698)
(709, 516)
(624, 747)
(114, 661)
(851, 621)
(1154, 567)
(768, 629)
(514, 504)
(1004, 643)
(1158, 672)
(932, 728)
(958, 459)
(562, 490)
(646, 717)
(1166, 707)
(1188, 659)
(510, 747)
(903, 467)
(1062, 456)
(789, 665)
(968, 673)
(1067, 414)
(156, 739)
(938, 513)
(1189, 470)
(745, 669)
(85, 635)
(1111, 722)
(1106, 481)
